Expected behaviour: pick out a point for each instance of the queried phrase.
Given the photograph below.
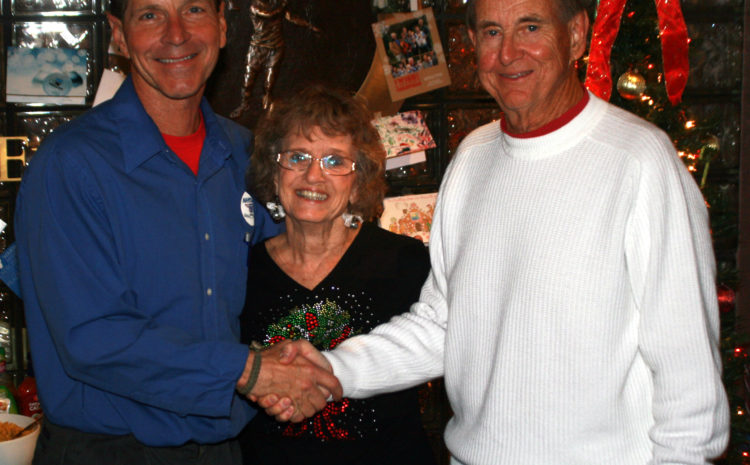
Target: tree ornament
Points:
(740, 351)
(631, 85)
(711, 142)
(674, 43)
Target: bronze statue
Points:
(266, 48)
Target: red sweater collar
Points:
(553, 125)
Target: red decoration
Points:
(311, 320)
(726, 298)
(604, 32)
(323, 423)
(674, 46)
(344, 334)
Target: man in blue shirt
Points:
(132, 233)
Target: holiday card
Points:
(409, 48)
(410, 215)
(404, 133)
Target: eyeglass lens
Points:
(332, 164)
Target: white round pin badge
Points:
(246, 205)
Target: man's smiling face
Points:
(525, 53)
(173, 45)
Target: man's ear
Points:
(578, 29)
(472, 37)
(222, 25)
(118, 34)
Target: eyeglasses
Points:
(336, 165)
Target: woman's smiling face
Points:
(312, 195)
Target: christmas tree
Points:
(647, 85)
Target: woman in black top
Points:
(319, 164)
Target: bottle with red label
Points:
(28, 401)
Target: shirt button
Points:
(207, 236)
(209, 291)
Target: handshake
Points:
(291, 380)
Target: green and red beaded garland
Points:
(325, 324)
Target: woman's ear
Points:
(353, 196)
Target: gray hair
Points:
(567, 9)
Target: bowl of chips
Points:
(20, 450)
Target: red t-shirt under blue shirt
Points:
(189, 147)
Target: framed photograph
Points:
(46, 75)
(410, 215)
(409, 47)
(80, 36)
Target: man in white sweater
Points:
(571, 305)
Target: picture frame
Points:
(409, 48)
(53, 34)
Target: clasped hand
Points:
(295, 381)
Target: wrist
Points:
(246, 387)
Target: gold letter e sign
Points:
(13, 152)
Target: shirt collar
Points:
(141, 139)
(553, 125)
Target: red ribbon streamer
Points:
(606, 25)
(674, 47)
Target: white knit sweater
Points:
(571, 305)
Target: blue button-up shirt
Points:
(133, 275)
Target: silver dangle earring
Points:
(275, 209)
(351, 220)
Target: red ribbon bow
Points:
(674, 47)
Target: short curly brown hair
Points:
(335, 113)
